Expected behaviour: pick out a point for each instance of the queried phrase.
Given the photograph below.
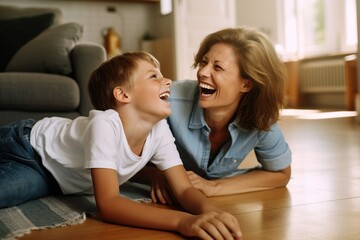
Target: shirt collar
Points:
(197, 119)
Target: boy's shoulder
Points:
(109, 116)
(110, 113)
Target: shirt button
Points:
(234, 160)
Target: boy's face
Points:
(150, 92)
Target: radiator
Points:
(322, 76)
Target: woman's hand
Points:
(207, 187)
(211, 225)
(160, 190)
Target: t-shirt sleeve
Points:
(100, 144)
(166, 155)
(272, 151)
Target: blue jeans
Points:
(22, 175)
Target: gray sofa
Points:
(44, 66)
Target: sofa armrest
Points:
(85, 57)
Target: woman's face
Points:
(221, 86)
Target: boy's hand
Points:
(160, 190)
(211, 225)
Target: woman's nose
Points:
(204, 71)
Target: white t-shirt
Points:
(70, 148)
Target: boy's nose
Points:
(168, 81)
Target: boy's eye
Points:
(153, 76)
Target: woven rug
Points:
(57, 211)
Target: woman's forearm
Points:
(256, 180)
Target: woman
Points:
(231, 110)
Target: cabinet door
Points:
(193, 20)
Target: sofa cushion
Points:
(14, 33)
(49, 52)
(38, 92)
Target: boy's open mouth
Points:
(206, 89)
(164, 96)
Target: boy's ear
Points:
(120, 95)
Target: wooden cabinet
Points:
(351, 82)
(295, 96)
(162, 49)
(292, 88)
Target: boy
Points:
(96, 154)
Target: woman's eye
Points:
(153, 76)
(217, 67)
(203, 63)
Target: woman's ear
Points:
(247, 85)
(120, 95)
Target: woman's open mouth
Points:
(206, 89)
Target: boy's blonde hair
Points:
(116, 72)
(258, 62)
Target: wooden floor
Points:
(321, 201)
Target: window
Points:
(318, 27)
(351, 38)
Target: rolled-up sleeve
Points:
(273, 152)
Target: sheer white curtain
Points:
(318, 27)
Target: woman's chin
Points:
(204, 103)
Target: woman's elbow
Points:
(286, 176)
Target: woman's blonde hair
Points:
(259, 63)
(116, 72)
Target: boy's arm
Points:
(189, 197)
(195, 202)
(160, 192)
(117, 209)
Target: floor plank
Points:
(321, 201)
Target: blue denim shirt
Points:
(192, 138)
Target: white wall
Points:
(131, 20)
(260, 14)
